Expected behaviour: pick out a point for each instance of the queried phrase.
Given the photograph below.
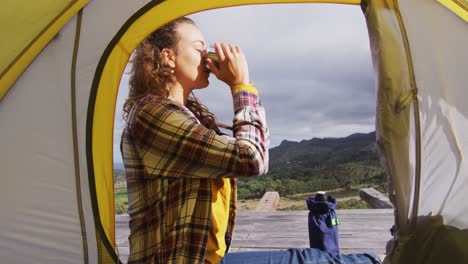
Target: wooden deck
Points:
(361, 230)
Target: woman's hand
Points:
(233, 68)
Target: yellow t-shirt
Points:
(221, 192)
(216, 246)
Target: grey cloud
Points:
(311, 63)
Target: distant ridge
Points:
(331, 149)
(355, 147)
(311, 165)
(355, 136)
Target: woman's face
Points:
(190, 70)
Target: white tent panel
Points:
(96, 34)
(441, 87)
(39, 220)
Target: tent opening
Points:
(314, 75)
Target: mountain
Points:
(323, 151)
(319, 164)
(310, 165)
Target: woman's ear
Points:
(168, 57)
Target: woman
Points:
(180, 168)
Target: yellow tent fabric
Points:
(150, 17)
(26, 29)
(393, 82)
(64, 63)
(459, 7)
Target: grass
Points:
(247, 205)
(121, 200)
(346, 199)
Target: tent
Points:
(60, 67)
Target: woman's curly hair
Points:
(150, 75)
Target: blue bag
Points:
(323, 223)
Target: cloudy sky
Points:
(310, 62)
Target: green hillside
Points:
(298, 169)
(319, 164)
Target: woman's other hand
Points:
(233, 68)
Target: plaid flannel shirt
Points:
(171, 160)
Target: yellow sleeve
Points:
(244, 87)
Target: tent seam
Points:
(123, 48)
(417, 123)
(461, 5)
(75, 137)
